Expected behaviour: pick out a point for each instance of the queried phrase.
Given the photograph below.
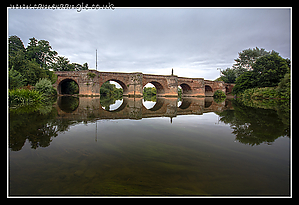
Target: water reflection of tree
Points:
(38, 128)
(106, 101)
(254, 126)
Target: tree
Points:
(45, 55)
(16, 80)
(270, 69)
(33, 72)
(41, 52)
(228, 75)
(14, 45)
(61, 64)
(34, 62)
(267, 71)
(247, 58)
(245, 81)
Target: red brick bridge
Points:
(90, 82)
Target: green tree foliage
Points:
(219, 94)
(108, 89)
(245, 81)
(267, 71)
(41, 52)
(270, 69)
(15, 78)
(34, 62)
(284, 87)
(229, 75)
(247, 58)
(21, 97)
(244, 63)
(147, 91)
(15, 45)
(45, 87)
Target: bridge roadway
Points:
(90, 82)
(132, 108)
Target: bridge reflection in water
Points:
(87, 108)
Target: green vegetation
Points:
(28, 99)
(219, 94)
(91, 75)
(28, 65)
(21, 97)
(259, 74)
(45, 87)
(267, 71)
(109, 94)
(257, 123)
(32, 66)
(149, 91)
(108, 89)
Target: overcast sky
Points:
(194, 42)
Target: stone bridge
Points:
(90, 82)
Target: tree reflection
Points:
(250, 125)
(254, 126)
(107, 101)
(39, 129)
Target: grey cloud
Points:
(192, 41)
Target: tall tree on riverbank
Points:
(247, 58)
(267, 71)
(34, 62)
(41, 51)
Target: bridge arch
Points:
(121, 83)
(208, 90)
(159, 87)
(62, 87)
(186, 88)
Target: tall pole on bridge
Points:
(96, 59)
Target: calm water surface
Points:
(193, 146)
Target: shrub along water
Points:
(45, 87)
(219, 94)
(21, 97)
(35, 99)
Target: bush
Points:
(22, 97)
(219, 94)
(45, 87)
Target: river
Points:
(161, 147)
